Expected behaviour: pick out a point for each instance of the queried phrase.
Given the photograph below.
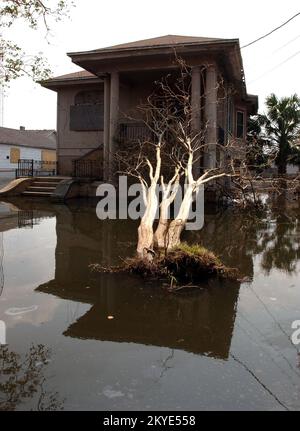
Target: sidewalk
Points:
(5, 178)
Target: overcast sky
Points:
(97, 23)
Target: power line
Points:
(272, 31)
(286, 44)
(275, 67)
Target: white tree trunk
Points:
(163, 225)
(145, 230)
(145, 241)
(164, 217)
(177, 225)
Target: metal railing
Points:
(84, 168)
(133, 132)
(32, 168)
(27, 219)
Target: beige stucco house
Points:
(91, 103)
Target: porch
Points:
(125, 91)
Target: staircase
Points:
(42, 187)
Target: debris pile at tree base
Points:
(183, 264)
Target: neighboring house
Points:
(38, 145)
(91, 103)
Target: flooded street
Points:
(78, 340)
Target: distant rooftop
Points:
(45, 139)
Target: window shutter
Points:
(14, 155)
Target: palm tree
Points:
(257, 158)
(281, 125)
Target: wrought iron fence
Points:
(32, 168)
(84, 168)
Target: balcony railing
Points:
(33, 168)
(84, 168)
(133, 132)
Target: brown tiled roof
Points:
(75, 75)
(168, 40)
(69, 77)
(28, 138)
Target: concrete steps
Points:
(47, 183)
(42, 186)
(36, 194)
(50, 179)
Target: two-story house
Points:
(92, 104)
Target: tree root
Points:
(183, 267)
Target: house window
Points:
(88, 112)
(14, 155)
(230, 116)
(240, 124)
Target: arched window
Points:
(87, 114)
(89, 98)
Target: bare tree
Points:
(14, 61)
(171, 155)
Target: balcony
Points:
(86, 168)
(133, 132)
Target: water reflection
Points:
(245, 327)
(272, 233)
(279, 241)
(22, 380)
(200, 323)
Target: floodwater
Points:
(80, 340)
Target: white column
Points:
(106, 128)
(211, 117)
(196, 98)
(114, 117)
(196, 109)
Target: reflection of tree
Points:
(281, 251)
(279, 242)
(232, 236)
(23, 379)
(165, 366)
(237, 236)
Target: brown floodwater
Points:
(80, 340)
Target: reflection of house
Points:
(92, 102)
(25, 144)
(200, 323)
(11, 217)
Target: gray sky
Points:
(95, 24)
